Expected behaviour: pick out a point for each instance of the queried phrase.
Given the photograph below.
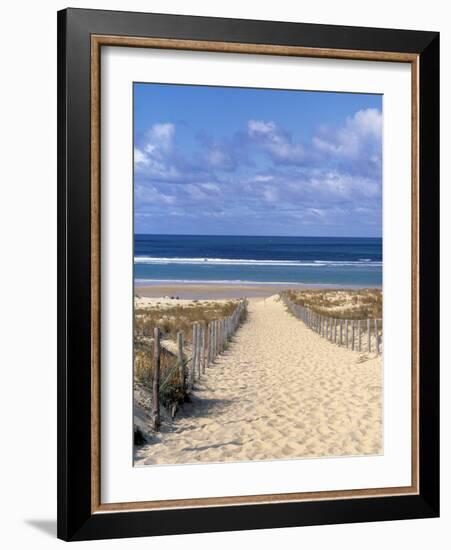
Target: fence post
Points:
(376, 333)
(346, 337)
(207, 351)
(218, 333)
(194, 353)
(206, 345)
(192, 370)
(217, 338)
(352, 334)
(369, 335)
(212, 344)
(341, 332)
(199, 348)
(360, 334)
(180, 359)
(156, 380)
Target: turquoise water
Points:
(342, 261)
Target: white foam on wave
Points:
(245, 262)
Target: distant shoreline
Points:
(197, 290)
(273, 261)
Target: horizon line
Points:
(262, 236)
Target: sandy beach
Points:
(211, 291)
(278, 391)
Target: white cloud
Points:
(150, 195)
(195, 192)
(319, 212)
(361, 132)
(331, 179)
(263, 179)
(368, 122)
(210, 187)
(160, 138)
(330, 186)
(256, 127)
(157, 144)
(276, 141)
(271, 194)
(140, 157)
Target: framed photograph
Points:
(248, 274)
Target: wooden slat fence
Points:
(208, 341)
(357, 335)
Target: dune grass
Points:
(171, 319)
(365, 303)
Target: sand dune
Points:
(279, 391)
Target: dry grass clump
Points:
(365, 303)
(171, 384)
(171, 319)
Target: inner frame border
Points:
(97, 41)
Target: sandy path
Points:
(279, 391)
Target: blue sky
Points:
(231, 161)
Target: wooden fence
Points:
(208, 341)
(357, 335)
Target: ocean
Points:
(330, 261)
